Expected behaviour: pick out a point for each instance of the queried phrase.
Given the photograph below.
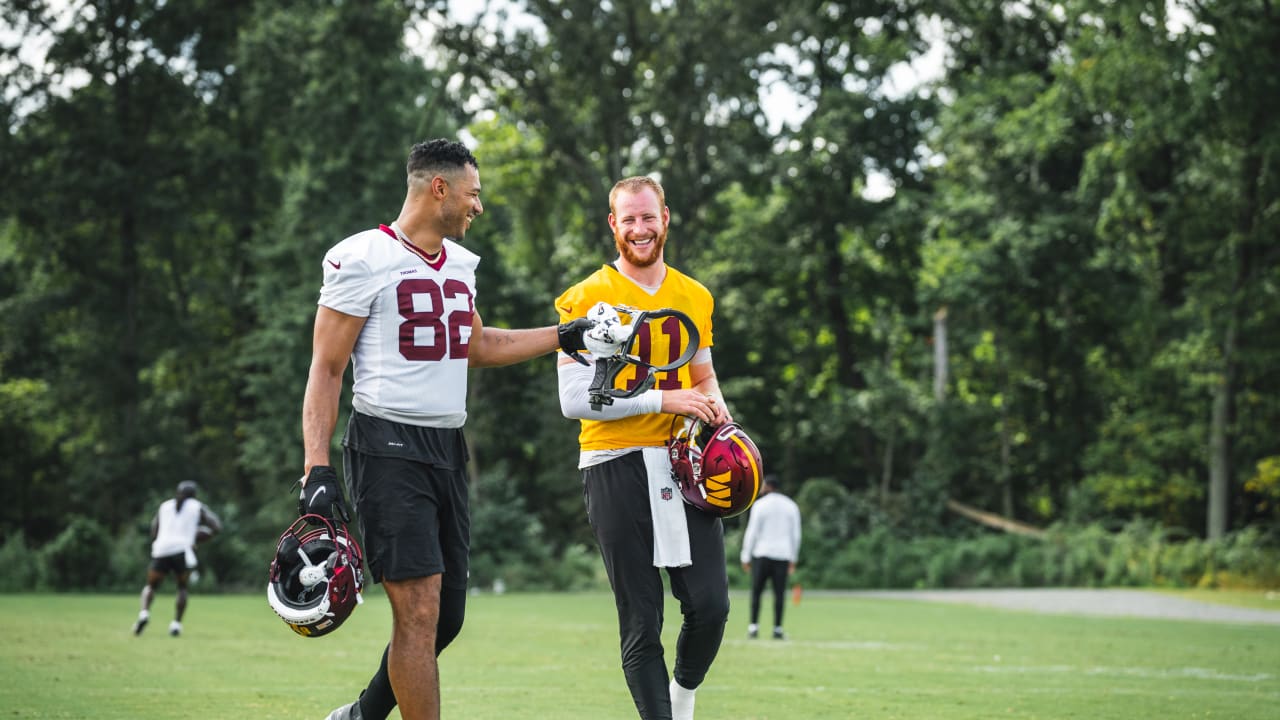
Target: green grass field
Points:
(1256, 599)
(548, 656)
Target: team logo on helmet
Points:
(717, 468)
(316, 577)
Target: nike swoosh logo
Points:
(336, 265)
(319, 492)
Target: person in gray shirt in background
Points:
(770, 549)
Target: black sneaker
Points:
(777, 634)
(141, 623)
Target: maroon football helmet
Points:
(718, 468)
(316, 577)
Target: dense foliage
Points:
(1042, 282)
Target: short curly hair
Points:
(434, 157)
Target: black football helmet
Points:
(607, 366)
(316, 576)
(718, 468)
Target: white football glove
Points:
(609, 335)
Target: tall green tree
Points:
(1010, 256)
(1089, 164)
(840, 261)
(122, 319)
(1187, 185)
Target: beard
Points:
(629, 254)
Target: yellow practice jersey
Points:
(660, 342)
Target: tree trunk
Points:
(1006, 460)
(886, 470)
(1241, 243)
(1219, 453)
(940, 354)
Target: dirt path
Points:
(1130, 603)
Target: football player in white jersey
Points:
(179, 523)
(398, 303)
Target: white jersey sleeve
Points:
(348, 281)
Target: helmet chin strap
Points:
(602, 392)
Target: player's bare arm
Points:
(703, 375)
(210, 520)
(333, 340)
(494, 347)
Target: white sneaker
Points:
(347, 712)
(681, 701)
(140, 624)
(753, 630)
(175, 628)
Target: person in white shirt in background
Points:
(770, 548)
(179, 523)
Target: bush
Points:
(510, 545)
(232, 560)
(78, 558)
(1247, 559)
(21, 568)
(1141, 554)
(130, 556)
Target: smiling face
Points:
(639, 222)
(461, 202)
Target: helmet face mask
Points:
(316, 577)
(717, 468)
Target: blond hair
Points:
(634, 185)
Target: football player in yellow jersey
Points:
(640, 522)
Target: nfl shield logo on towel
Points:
(666, 493)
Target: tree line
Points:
(1063, 313)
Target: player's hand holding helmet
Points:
(600, 332)
(321, 496)
(570, 336)
(718, 468)
(316, 576)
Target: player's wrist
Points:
(651, 401)
(310, 465)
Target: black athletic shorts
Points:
(409, 487)
(175, 564)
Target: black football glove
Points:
(322, 495)
(571, 341)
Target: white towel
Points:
(670, 529)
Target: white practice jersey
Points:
(410, 360)
(773, 529)
(176, 529)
